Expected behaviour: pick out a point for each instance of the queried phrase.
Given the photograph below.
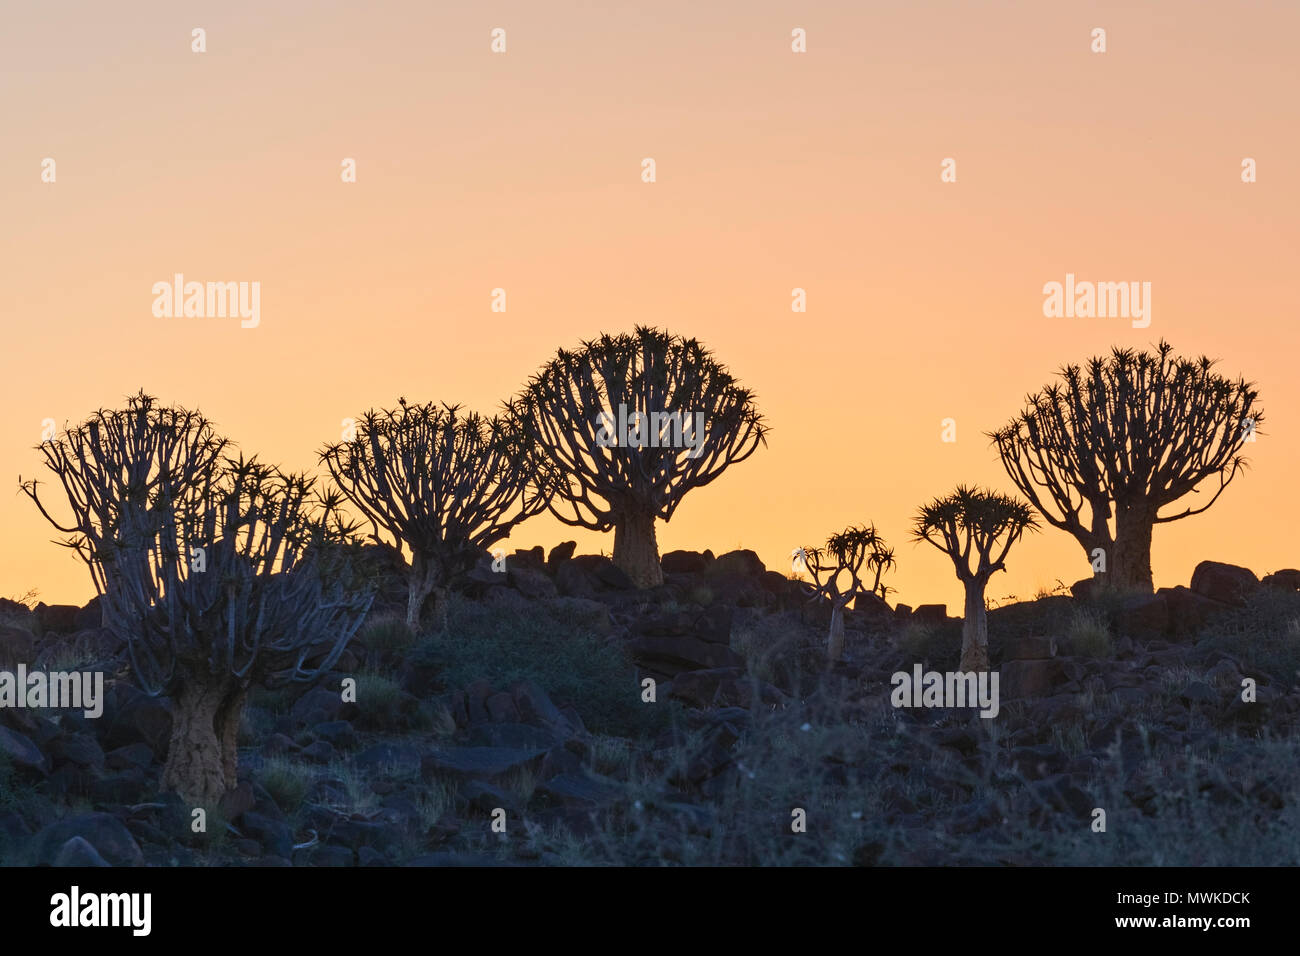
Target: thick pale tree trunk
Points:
(975, 628)
(835, 642)
(421, 580)
(1130, 564)
(202, 759)
(636, 550)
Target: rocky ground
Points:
(523, 733)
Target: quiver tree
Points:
(443, 484)
(975, 529)
(112, 467)
(1099, 453)
(634, 422)
(838, 571)
(243, 580)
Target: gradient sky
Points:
(775, 170)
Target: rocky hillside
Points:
(565, 717)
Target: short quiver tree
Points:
(838, 571)
(975, 529)
(243, 581)
(443, 484)
(1125, 437)
(112, 467)
(634, 422)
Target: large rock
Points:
(674, 653)
(1188, 611)
(744, 562)
(105, 833)
(573, 580)
(485, 763)
(559, 554)
(1288, 579)
(78, 852)
(604, 572)
(21, 751)
(1226, 583)
(1143, 616)
(531, 582)
(685, 562)
(930, 614)
(1036, 678)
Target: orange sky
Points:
(775, 170)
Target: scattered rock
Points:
(1226, 583)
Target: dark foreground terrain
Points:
(527, 715)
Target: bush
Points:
(1089, 633)
(563, 655)
(1264, 635)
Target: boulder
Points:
(684, 562)
(743, 562)
(1143, 616)
(485, 763)
(1226, 583)
(1033, 678)
(573, 580)
(1084, 588)
(674, 653)
(604, 572)
(105, 833)
(559, 554)
(1288, 579)
(21, 751)
(1188, 611)
(531, 582)
(533, 558)
(930, 614)
(78, 852)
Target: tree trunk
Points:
(975, 628)
(201, 760)
(835, 643)
(636, 551)
(1130, 565)
(421, 581)
(227, 726)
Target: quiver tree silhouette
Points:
(975, 529)
(1125, 437)
(837, 572)
(243, 580)
(691, 420)
(112, 466)
(443, 484)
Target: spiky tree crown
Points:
(1140, 429)
(969, 523)
(113, 465)
(650, 372)
(845, 555)
(249, 581)
(444, 483)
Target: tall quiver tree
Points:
(244, 580)
(634, 422)
(975, 529)
(112, 467)
(444, 484)
(1101, 452)
(837, 573)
